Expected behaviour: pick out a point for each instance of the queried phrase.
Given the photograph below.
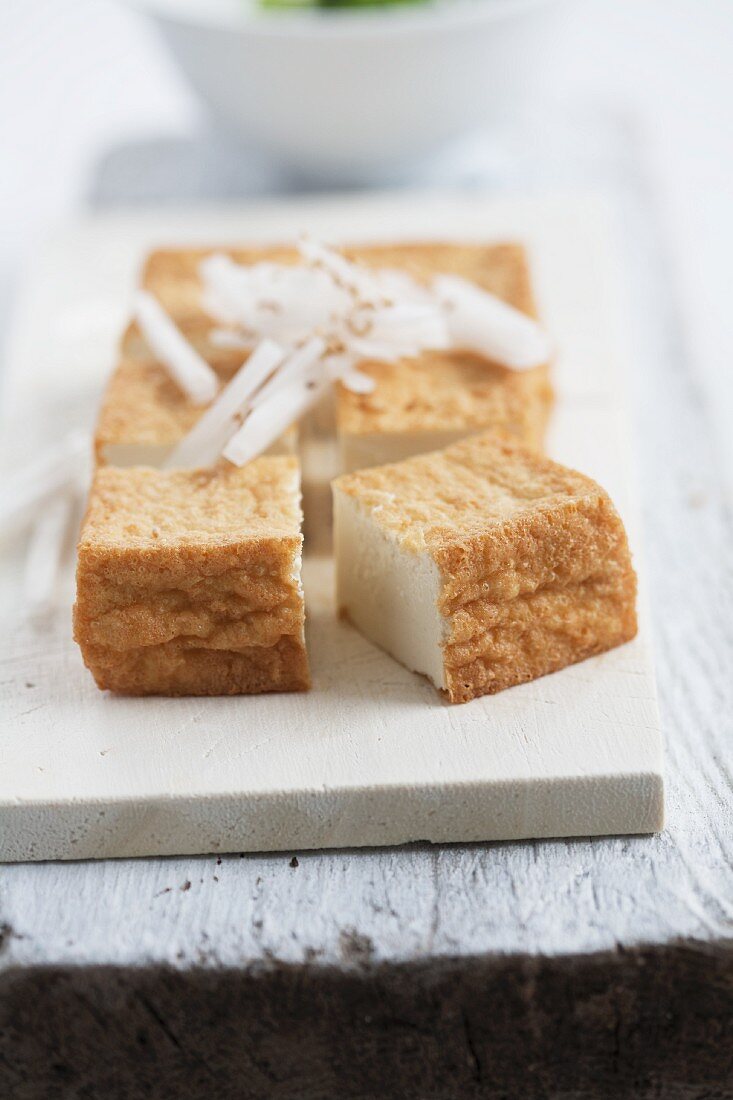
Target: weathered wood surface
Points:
(468, 961)
(618, 1026)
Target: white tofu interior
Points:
(358, 452)
(320, 464)
(321, 420)
(389, 593)
(154, 454)
(381, 448)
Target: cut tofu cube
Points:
(144, 412)
(422, 404)
(483, 565)
(188, 582)
(425, 404)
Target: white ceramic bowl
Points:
(349, 95)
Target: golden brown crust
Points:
(444, 496)
(534, 560)
(142, 405)
(246, 595)
(174, 670)
(140, 508)
(544, 591)
(206, 561)
(448, 391)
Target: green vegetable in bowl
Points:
(303, 5)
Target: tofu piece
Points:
(427, 403)
(421, 404)
(482, 566)
(188, 582)
(144, 413)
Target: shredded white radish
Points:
(203, 444)
(224, 288)
(341, 270)
(422, 323)
(481, 322)
(303, 365)
(288, 303)
(45, 553)
(378, 314)
(271, 418)
(192, 373)
(367, 286)
(226, 338)
(56, 470)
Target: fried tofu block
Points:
(188, 582)
(426, 403)
(483, 565)
(144, 413)
(419, 404)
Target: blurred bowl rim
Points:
(363, 21)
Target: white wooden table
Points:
(556, 968)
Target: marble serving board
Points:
(372, 755)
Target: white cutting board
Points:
(372, 755)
